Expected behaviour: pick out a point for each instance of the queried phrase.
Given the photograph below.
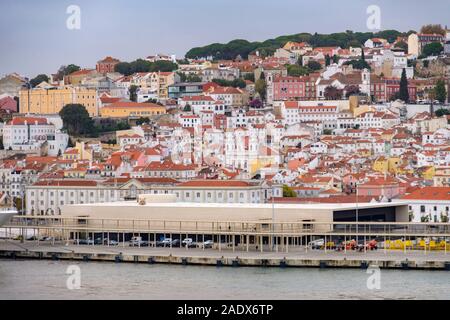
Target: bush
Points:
(288, 192)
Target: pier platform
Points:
(297, 257)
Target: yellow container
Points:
(432, 245)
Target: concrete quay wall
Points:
(216, 259)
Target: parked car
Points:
(349, 245)
(186, 242)
(138, 242)
(32, 238)
(317, 244)
(206, 244)
(176, 243)
(164, 242)
(87, 241)
(371, 245)
(189, 242)
(111, 242)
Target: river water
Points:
(41, 279)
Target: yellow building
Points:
(75, 173)
(131, 109)
(71, 154)
(158, 82)
(394, 165)
(50, 100)
(387, 135)
(386, 165)
(165, 80)
(441, 178)
(79, 152)
(381, 165)
(428, 172)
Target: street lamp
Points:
(357, 217)
(273, 217)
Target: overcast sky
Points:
(34, 37)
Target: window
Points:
(422, 209)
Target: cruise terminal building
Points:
(165, 207)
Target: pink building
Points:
(106, 65)
(291, 88)
(380, 187)
(8, 104)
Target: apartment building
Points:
(34, 134)
(50, 99)
(131, 109)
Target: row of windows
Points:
(209, 195)
(422, 208)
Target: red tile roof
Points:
(19, 121)
(67, 183)
(126, 104)
(215, 183)
(429, 193)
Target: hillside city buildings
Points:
(208, 132)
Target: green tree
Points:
(250, 77)
(142, 120)
(358, 64)
(133, 93)
(314, 65)
(140, 65)
(262, 76)
(401, 45)
(238, 83)
(432, 49)
(187, 108)
(71, 68)
(123, 68)
(351, 90)
(294, 70)
(38, 79)
(327, 60)
(288, 192)
(260, 88)
(335, 58)
(193, 78)
(332, 93)
(440, 92)
(433, 28)
(18, 203)
(441, 112)
(403, 92)
(66, 70)
(244, 48)
(70, 143)
(76, 119)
